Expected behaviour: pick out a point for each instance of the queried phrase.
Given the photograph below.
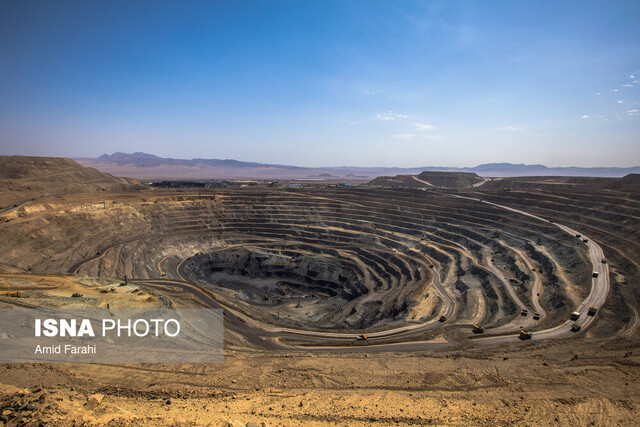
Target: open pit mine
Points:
(455, 266)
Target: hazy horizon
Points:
(373, 166)
(364, 84)
(345, 166)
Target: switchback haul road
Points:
(270, 337)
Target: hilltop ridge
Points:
(429, 179)
(23, 178)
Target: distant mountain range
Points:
(148, 166)
(144, 160)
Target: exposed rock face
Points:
(310, 273)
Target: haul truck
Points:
(477, 329)
(525, 335)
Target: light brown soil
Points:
(590, 386)
(577, 381)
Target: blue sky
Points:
(324, 83)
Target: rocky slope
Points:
(24, 178)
